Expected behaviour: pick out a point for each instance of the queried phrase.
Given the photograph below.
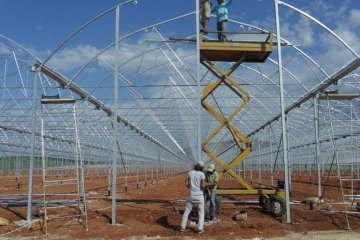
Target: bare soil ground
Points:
(153, 211)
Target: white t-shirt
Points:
(195, 178)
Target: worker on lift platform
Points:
(222, 16)
(205, 15)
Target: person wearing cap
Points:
(212, 177)
(196, 183)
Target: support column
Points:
(317, 143)
(282, 105)
(115, 116)
(271, 159)
(290, 163)
(259, 163)
(32, 144)
(198, 86)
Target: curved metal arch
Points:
(318, 65)
(311, 127)
(332, 108)
(134, 92)
(84, 26)
(320, 24)
(286, 42)
(125, 37)
(291, 45)
(160, 64)
(154, 25)
(269, 79)
(260, 89)
(20, 46)
(152, 114)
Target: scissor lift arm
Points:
(235, 52)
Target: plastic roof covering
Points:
(158, 96)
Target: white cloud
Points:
(329, 12)
(135, 58)
(347, 29)
(335, 51)
(321, 45)
(4, 50)
(305, 32)
(72, 58)
(299, 33)
(354, 18)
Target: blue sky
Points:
(42, 24)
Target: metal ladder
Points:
(68, 187)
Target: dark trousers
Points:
(221, 28)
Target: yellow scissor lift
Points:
(236, 52)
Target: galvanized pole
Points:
(271, 159)
(115, 116)
(259, 163)
(198, 103)
(317, 143)
(289, 159)
(32, 144)
(282, 106)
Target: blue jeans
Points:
(212, 197)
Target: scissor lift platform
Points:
(232, 51)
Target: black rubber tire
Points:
(276, 206)
(262, 200)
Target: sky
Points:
(41, 24)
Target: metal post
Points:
(251, 168)
(77, 154)
(109, 179)
(317, 143)
(152, 172)
(43, 167)
(17, 172)
(159, 165)
(126, 175)
(115, 115)
(259, 163)
(137, 175)
(32, 146)
(282, 105)
(243, 170)
(198, 102)
(353, 139)
(146, 169)
(271, 159)
(290, 163)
